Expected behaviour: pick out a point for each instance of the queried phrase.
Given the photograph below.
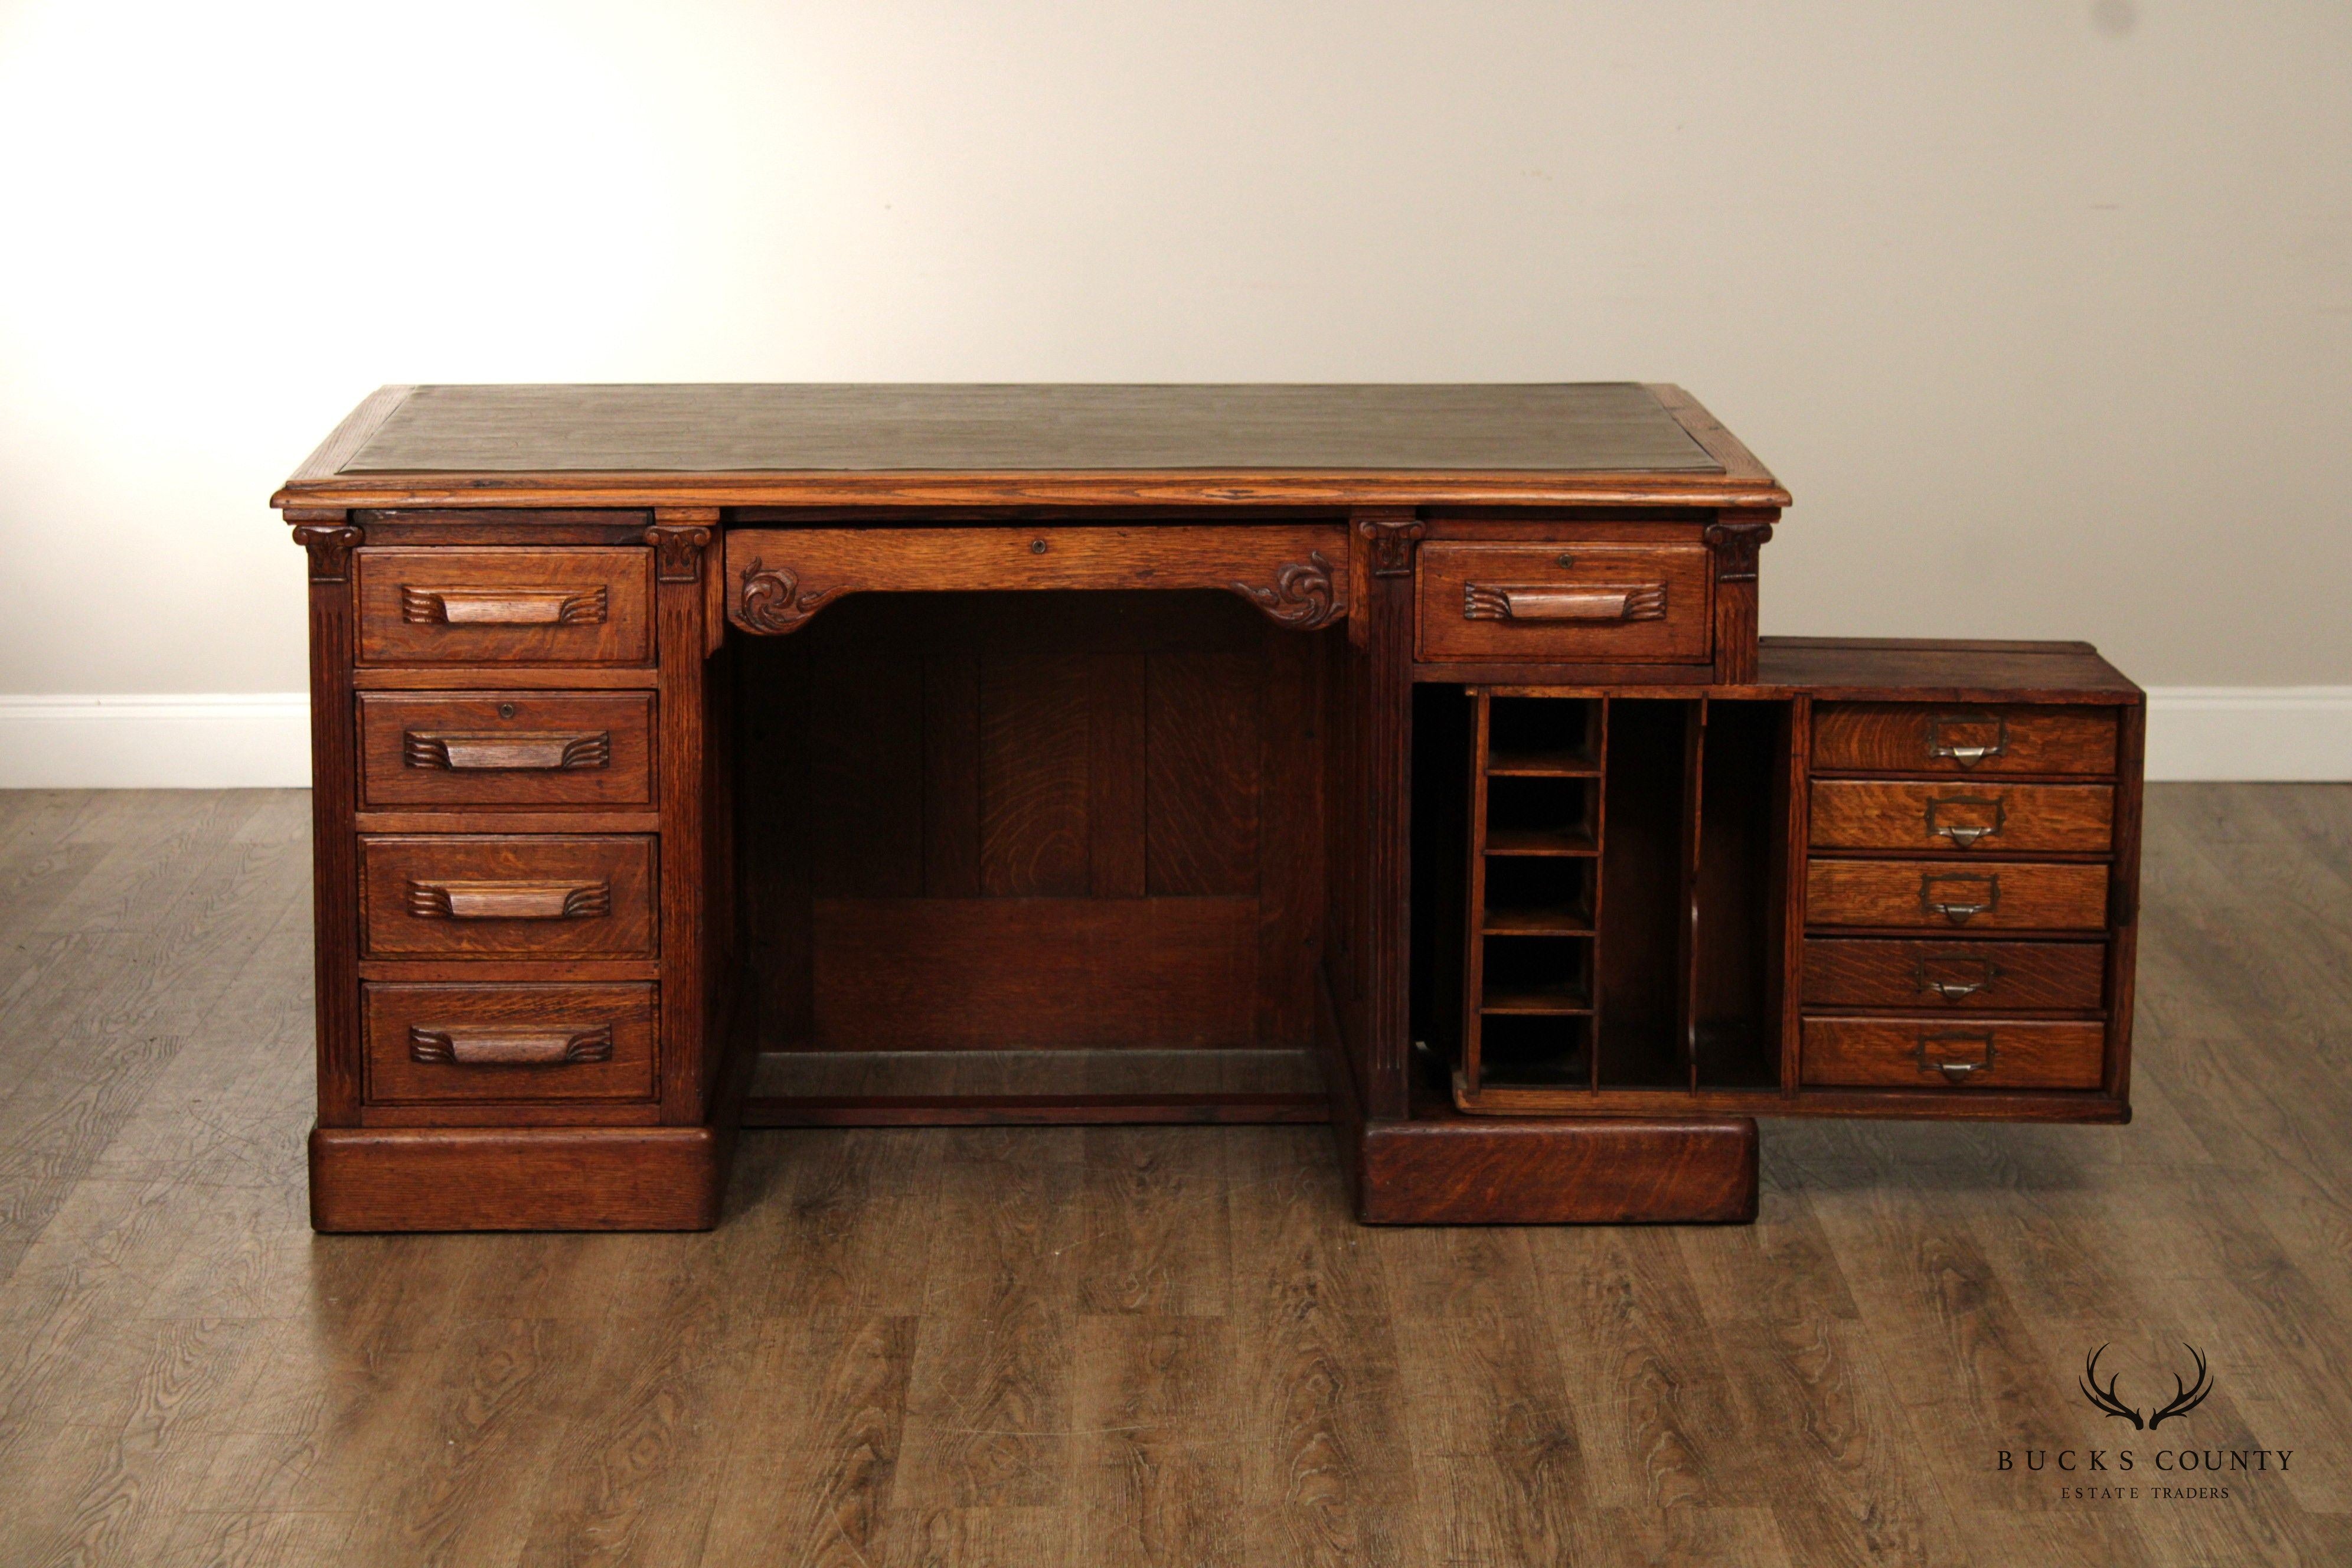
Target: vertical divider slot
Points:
(1641, 964)
(1739, 932)
(1534, 845)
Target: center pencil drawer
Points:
(1610, 603)
(440, 1043)
(1945, 895)
(521, 748)
(479, 897)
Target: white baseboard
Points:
(229, 741)
(262, 740)
(2274, 734)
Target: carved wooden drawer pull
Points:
(1955, 977)
(1962, 817)
(509, 900)
(1960, 895)
(502, 606)
(1556, 602)
(1959, 1055)
(480, 753)
(510, 1048)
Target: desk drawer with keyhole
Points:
(1950, 1054)
(523, 748)
(1955, 977)
(1987, 817)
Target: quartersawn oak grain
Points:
(525, 749)
(622, 1015)
(465, 605)
(1938, 738)
(1956, 895)
(1995, 1053)
(1948, 975)
(1986, 817)
(530, 896)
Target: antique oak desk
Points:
(1405, 757)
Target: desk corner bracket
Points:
(771, 600)
(1305, 596)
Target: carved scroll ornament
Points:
(773, 600)
(1303, 595)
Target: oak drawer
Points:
(1613, 603)
(1862, 814)
(429, 1044)
(1941, 895)
(519, 749)
(458, 604)
(1951, 1054)
(1955, 977)
(1916, 737)
(556, 896)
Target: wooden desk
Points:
(693, 757)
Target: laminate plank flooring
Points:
(1152, 1345)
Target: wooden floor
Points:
(1148, 1345)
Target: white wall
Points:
(2044, 311)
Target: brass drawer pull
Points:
(1967, 753)
(1935, 901)
(1937, 973)
(1554, 602)
(452, 752)
(509, 900)
(490, 1047)
(1965, 834)
(1947, 1052)
(503, 606)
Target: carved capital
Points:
(771, 600)
(1391, 539)
(1304, 595)
(331, 545)
(678, 550)
(1736, 543)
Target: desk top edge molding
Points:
(1713, 471)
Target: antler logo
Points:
(2185, 1397)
